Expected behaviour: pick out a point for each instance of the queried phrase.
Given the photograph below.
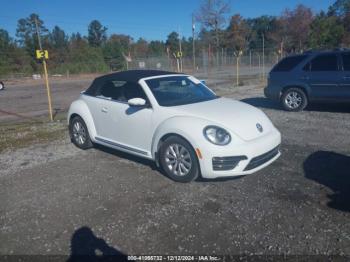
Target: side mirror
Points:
(137, 102)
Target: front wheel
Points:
(294, 99)
(79, 133)
(178, 160)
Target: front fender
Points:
(189, 128)
(79, 107)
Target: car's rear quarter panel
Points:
(79, 107)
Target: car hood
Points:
(238, 117)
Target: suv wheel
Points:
(2, 86)
(294, 99)
(79, 133)
(178, 160)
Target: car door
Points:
(322, 74)
(99, 104)
(125, 126)
(345, 77)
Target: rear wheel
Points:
(2, 86)
(79, 133)
(178, 160)
(294, 99)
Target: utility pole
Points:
(45, 71)
(263, 55)
(193, 44)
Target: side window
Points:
(114, 90)
(133, 90)
(288, 63)
(346, 61)
(327, 62)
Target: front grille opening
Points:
(226, 163)
(262, 159)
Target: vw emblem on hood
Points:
(259, 127)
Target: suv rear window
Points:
(288, 63)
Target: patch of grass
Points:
(19, 135)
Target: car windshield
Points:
(179, 90)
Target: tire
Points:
(178, 160)
(2, 86)
(79, 133)
(294, 99)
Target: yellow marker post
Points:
(48, 90)
(44, 54)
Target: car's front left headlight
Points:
(217, 135)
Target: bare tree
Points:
(211, 16)
(239, 33)
(298, 23)
(292, 29)
(279, 34)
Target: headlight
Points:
(217, 135)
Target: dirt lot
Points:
(56, 199)
(22, 101)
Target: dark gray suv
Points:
(299, 80)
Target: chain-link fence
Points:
(220, 66)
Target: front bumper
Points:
(250, 156)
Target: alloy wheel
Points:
(293, 100)
(79, 133)
(178, 160)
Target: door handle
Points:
(346, 77)
(104, 110)
(305, 78)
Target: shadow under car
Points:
(267, 103)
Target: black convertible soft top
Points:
(128, 76)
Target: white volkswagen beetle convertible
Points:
(175, 120)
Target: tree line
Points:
(292, 31)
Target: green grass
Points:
(20, 135)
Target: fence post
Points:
(259, 65)
(250, 59)
(263, 57)
(237, 70)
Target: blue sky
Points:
(150, 19)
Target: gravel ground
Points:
(56, 199)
